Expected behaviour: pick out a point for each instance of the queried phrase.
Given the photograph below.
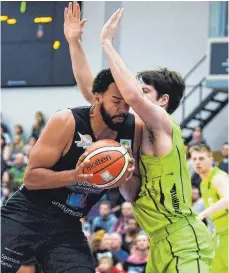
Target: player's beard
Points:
(115, 126)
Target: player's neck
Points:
(205, 175)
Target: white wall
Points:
(166, 34)
(152, 34)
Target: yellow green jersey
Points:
(165, 194)
(211, 195)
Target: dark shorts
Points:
(54, 249)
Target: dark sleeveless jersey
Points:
(76, 200)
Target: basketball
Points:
(108, 162)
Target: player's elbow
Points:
(29, 180)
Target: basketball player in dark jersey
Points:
(42, 219)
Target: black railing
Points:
(195, 67)
(198, 86)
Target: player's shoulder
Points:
(62, 115)
(62, 118)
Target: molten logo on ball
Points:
(98, 162)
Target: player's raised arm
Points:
(73, 29)
(153, 115)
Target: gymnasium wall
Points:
(171, 34)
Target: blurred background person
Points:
(126, 213)
(16, 147)
(129, 236)
(138, 260)
(197, 137)
(106, 218)
(116, 247)
(15, 174)
(18, 130)
(28, 146)
(38, 125)
(223, 165)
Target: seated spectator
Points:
(5, 149)
(16, 147)
(28, 147)
(223, 165)
(138, 260)
(106, 266)
(96, 240)
(141, 249)
(18, 130)
(6, 135)
(131, 232)
(197, 137)
(105, 250)
(39, 124)
(106, 219)
(16, 173)
(126, 213)
(116, 244)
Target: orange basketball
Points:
(108, 162)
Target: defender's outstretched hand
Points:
(73, 27)
(110, 28)
(131, 162)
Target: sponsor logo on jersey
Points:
(125, 142)
(175, 200)
(77, 200)
(84, 142)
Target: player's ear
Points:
(164, 99)
(97, 98)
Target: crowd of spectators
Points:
(118, 244)
(15, 150)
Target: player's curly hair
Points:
(102, 81)
(165, 82)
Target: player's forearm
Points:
(130, 188)
(126, 82)
(40, 178)
(222, 204)
(81, 70)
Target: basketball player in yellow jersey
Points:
(179, 241)
(215, 192)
